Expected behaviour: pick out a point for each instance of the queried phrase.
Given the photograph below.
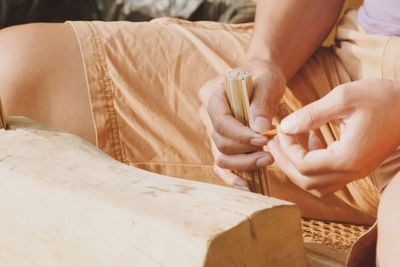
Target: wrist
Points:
(261, 52)
(260, 66)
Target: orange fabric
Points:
(143, 80)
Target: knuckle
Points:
(210, 106)
(223, 147)
(250, 164)
(309, 116)
(210, 85)
(353, 164)
(344, 94)
(258, 106)
(300, 166)
(303, 170)
(221, 175)
(202, 89)
(215, 96)
(202, 95)
(220, 161)
(218, 124)
(229, 147)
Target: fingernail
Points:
(258, 141)
(260, 124)
(263, 161)
(288, 124)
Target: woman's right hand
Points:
(234, 145)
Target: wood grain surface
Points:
(65, 203)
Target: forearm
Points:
(288, 32)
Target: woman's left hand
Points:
(369, 115)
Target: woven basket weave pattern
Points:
(335, 235)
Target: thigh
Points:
(42, 77)
(143, 81)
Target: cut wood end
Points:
(237, 75)
(269, 134)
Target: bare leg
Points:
(42, 77)
(388, 248)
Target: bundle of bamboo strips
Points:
(3, 124)
(239, 90)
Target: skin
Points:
(40, 66)
(274, 55)
(368, 113)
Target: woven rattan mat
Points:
(335, 235)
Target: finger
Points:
(285, 165)
(226, 125)
(251, 161)
(260, 111)
(318, 185)
(226, 175)
(315, 141)
(225, 145)
(309, 162)
(230, 178)
(290, 145)
(208, 89)
(314, 115)
(265, 100)
(205, 119)
(230, 147)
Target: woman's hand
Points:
(369, 115)
(234, 145)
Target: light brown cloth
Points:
(143, 80)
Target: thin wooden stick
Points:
(3, 123)
(269, 134)
(239, 90)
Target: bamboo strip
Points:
(239, 89)
(3, 123)
(269, 134)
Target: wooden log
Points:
(65, 203)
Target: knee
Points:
(42, 77)
(388, 225)
(15, 66)
(28, 56)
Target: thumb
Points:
(313, 116)
(269, 87)
(261, 111)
